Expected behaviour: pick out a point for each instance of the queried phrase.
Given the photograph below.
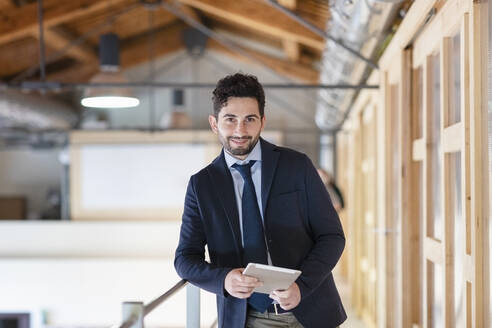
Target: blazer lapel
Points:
(269, 164)
(223, 184)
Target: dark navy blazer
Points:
(302, 229)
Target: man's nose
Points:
(241, 127)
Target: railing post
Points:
(192, 306)
(134, 310)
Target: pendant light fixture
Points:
(109, 97)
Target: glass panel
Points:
(454, 162)
(454, 115)
(435, 297)
(395, 155)
(419, 171)
(365, 242)
(395, 190)
(435, 221)
(418, 108)
(468, 301)
(369, 198)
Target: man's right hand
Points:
(239, 285)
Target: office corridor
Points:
(414, 162)
(353, 321)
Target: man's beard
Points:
(226, 142)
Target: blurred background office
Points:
(391, 99)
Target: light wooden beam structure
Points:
(21, 22)
(132, 53)
(259, 17)
(188, 11)
(281, 66)
(432, 172)
(6, 4)
(167, 41)
(292, 50)
(57, 38)
(75, 73)
(277, 65)
(289, 4)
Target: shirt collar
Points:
(255, 154)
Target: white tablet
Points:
(273, 278)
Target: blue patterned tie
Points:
(255, 249)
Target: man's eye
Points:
(250, 119)
(229, 119)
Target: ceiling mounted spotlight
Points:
(109, 97)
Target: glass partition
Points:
(435, 222)
(436, 302)
(456, 215)
(454, 81)
(418, 96)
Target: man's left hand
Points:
(288, 298)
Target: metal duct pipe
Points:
(34, 111)
(350, 22)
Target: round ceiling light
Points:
(110, 102)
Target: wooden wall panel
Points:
(449, 257)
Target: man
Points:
(259, 203)
(332, 188)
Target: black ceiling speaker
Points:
(109, 54)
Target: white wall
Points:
(198, 102)
(29, 173)
(89, 292)
(291, 111)
(78, 273)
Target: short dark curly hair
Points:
(238, 85)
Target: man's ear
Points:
(212, 120)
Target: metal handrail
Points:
(128, 323)
(214, 324)
(155, 303)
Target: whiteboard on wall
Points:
(135, 175)
(116, 180)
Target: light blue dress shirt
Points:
(255, 155)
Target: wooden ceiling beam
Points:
(284, 67)
(6, 4)
(289, 4)
(57, 39)
(292, 50)
(166, 41)
(189, 11)
(22, 22)
(76, 73)
(260, 17)
(133, 52)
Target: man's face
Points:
(238, 126)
